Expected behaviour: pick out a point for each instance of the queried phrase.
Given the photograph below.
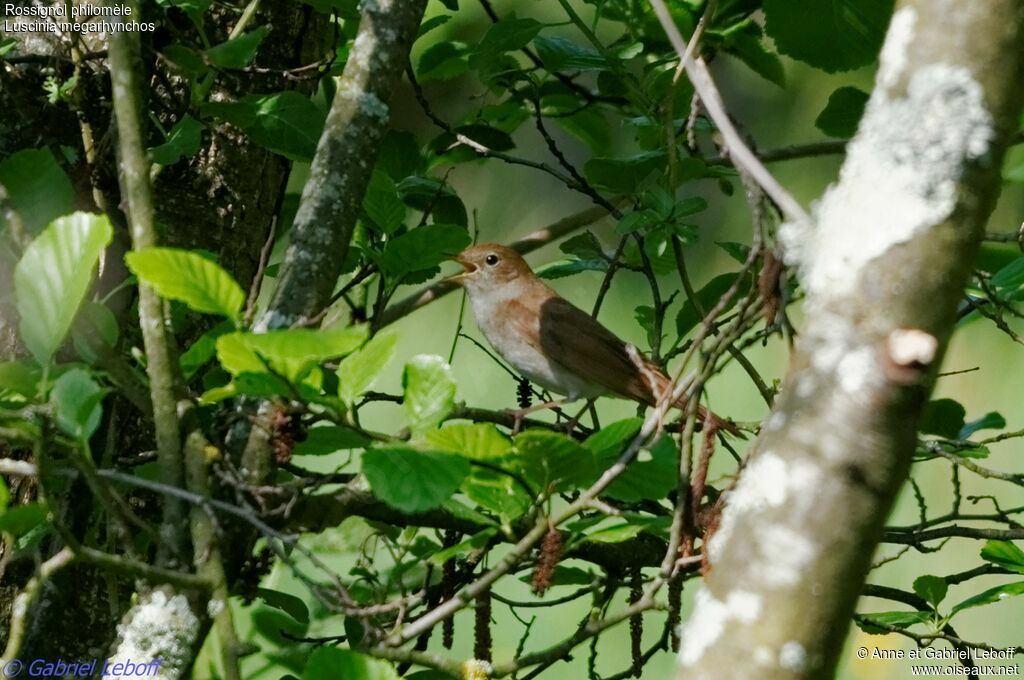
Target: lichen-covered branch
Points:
(344, 160)
(883, 266)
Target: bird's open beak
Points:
(460, 277)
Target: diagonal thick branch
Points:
(883, 267)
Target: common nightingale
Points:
(551, 342)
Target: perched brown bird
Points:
(553, 343)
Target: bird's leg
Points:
(575, 420)
(519, 414)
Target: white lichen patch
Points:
(900, 176)
(710, 618)
(909, 346)
(159, 627)
(793, 656)
(785, 553)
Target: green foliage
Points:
(833, 35)
(182, 142)
(39, 189)
(330, 663)
(883, 623)
(932, 589)
(553, 461)
(359, 370)
(236, 52)
(286, 123)
(843, 112)
(1004, 554)
(417, 253)
(476, 441)
(185, 276)
(53, 277)
(321, 441)
(411, 480)
(77, 403)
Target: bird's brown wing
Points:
(570, 338)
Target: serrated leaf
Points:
(990, 596)
(411, 480)
(289, 604)
(423, 248)
(429, 390)
(476, 441)
(932, 589)
(443, 61)
(287, 123)
(508, 35)
(290, 353)
(182, 275)
(584, 246)
(552, 459)
(182, 142)
(359, 370)
(1005, 554)
(833, 35)
(77, 403)
(39, 189)
(53, 277)
(237, 52)
(497, 492)
(708, 296)
(569, 266)
(762, 61)
(382, 203)
(332, 663)
(843, 112)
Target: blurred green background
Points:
(508, 201)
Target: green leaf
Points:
(188, 277)
(990, 596)
(322, 441)
(237, 52)
(429, 390)
(989, 421)
(182, 142)
(623, 176)
(550, 458)
(585, 246)
(411, 480)
(476, 441)
(1010, 278)
(497, 492)
(708, 296)
(185, 59)
(589, 126)
(21, 377)
(6, 45)
(428, 194)
(331, 663)
(508, 35)
(932, 589)
(290, 353)
(617, 533)
(474, 542)
(287, 123)
(359, 370)
(569, 266)
(22, 519)
(77, 402)
(833, 35)
(382, 203)
(202, 350)
(1005, 554)
(883, 621)
(95, 331)
(561, 54)
(423, 248)
(289, 604)
(443, 61)
(39, 189)
(943, 417)
(53, 277)
(843, 112)
(762, 61)
(5, 497)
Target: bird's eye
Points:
(491, 260)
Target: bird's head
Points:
(489, 267)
